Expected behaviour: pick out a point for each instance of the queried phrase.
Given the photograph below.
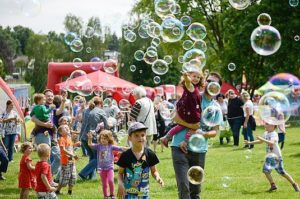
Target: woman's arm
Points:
(247, 117)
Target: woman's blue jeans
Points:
(9, 142)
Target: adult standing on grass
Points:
(183, 157)
(10, 121)
(143, 111)
(249, 121)
(235, 115)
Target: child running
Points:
(43, 189)
(67, 159)
(189, 105)
(27, 179)
(135, 165)
(105, 160)
(270, 137)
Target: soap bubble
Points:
(226, 181)
(163, 7)
(212, 116)
(139, 55)
(187, 44)
(284, 80)
(77, 62)
(129, 36)
(132, 68)
(110, 66)
(167, 110)
(196, 31)
(231, 66)
(150, 57)
(88, 50)
(271, 161)
(200, 45)
(248, 154)
(188, 67)
(143, 31)
(297, 38)
(265, 40)
(127, 90)
(154, 30)
(77, 73)
(85, 87)
(160, 67)
(155, 42)
(240, 4)
(168, 59)
(95, 65)
(294, 3)
(195, 175)
(197, 143)
(76, 45)
(274, 108)
(156, 80)
(186, 20)
(180, 59)
(124, 104)
(264, 19)
(89, 32)
(195, 54)
(172, 30)
(98, 91)
(213, 88)
(70, 37)
(175, 9)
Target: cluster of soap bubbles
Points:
(170, 28)
(265, 39)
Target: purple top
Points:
(105, 157)
(189, 105)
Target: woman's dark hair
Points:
(220, 95)
(8, 102)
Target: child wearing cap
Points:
(135, 165)
(270, 137)
(189, 105)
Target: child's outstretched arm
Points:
(269, 142)
(121, 189)
(258, 141)
(156, 176)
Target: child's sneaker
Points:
(164, 141)
(273, 188)
(296, 187)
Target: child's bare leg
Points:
(24, 194)
(288, 177)
(270, 178)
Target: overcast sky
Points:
(51, 14)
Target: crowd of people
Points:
(63, 126)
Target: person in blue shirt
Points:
(183, 157)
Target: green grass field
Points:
(229, 173)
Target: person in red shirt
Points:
(67, 159)
(43, 174)
(27, 179)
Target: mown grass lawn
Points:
(230, 173)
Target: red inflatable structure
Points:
(56, 71)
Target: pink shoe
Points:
(164, 141)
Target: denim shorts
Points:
(277, 165)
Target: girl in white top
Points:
(270, 137)
(248, 122)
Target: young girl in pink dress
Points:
(189, 105)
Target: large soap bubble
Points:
(167, 110)
(139, 55)
(150, 57)
(69, 37)
(197, 143)
(172, 30)
(76, 45)
(154, 30)
(129, 36)
(264, 19)
(274, 108)
(196, 54)
(265, 40)
(240, 4)
(196, 31)
(284, 80)
(164, 7)
(186, 20)
(143, 31)
(77, 62)
(213, 88)
(160, 67)
(212, 115)
(124, 104)
(195, 175)
(110, 66)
